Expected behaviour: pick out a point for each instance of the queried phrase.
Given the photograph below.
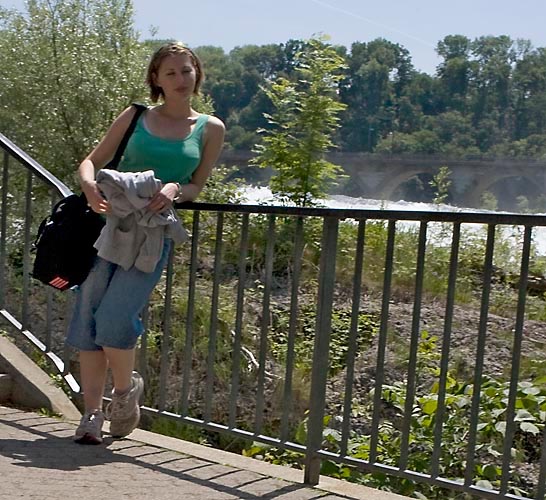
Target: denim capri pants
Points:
(109, 304)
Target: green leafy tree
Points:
(529, 94)
(492, 107)
(455, 72)
(223, 80)
(379, 73)
(306, 113)
(69, 67)
(258, 64)
(420, 142)
(440, 183)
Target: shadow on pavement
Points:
(46, 443)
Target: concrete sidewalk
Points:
(38, 460)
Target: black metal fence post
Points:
(317, 397)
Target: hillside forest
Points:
(70, 67)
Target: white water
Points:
(262, 195)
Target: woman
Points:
(181, 146)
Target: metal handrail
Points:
(469, 217)
(61, 189)
(314, 448)
(37, 169)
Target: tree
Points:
(529, 93)
(305, 116)
(491, 106)
(420, 142)
(69, 67)
(223, 80)
(455, 131)
(258, 64)
(420, 99)
(456, 71)
(378, 75)
(440, 183)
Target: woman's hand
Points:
(94, 198)
(163, 199)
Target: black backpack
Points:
(64, 244)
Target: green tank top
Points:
(172, 160)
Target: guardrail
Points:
(243, 335)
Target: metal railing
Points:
(244, 334)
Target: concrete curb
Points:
(331, 485)
(32, 387)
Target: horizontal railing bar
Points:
(34, 166)
(366, 466)
(364, 213)
(234, 431)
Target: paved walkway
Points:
(38, 460)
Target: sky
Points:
(417, 25)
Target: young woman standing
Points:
(181, 146)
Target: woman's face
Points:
(176, 76)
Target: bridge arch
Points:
(398, 178)
(534, 186)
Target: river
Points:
(262, 195)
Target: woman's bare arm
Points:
(99, 157)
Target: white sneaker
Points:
(90, 429)
(124, 411)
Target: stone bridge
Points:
(383, 177)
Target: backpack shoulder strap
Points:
(139, 108)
